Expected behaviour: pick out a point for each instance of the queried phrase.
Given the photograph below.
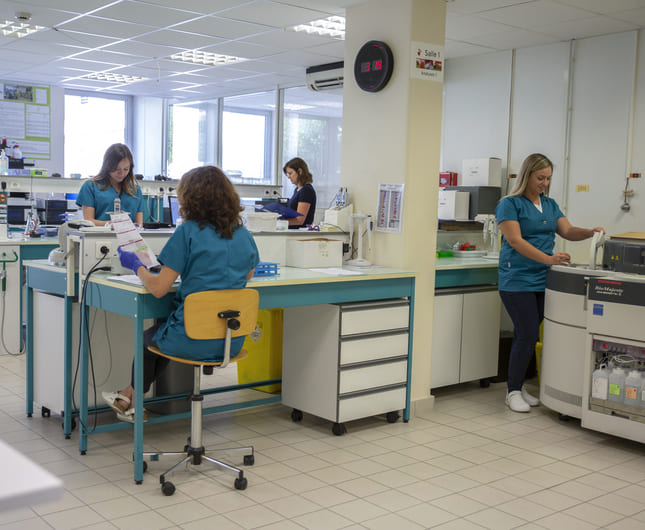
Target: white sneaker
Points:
(531, 400)
(516, 402)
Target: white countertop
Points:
(466, 263)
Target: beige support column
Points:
(394, 136)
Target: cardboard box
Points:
(453, 204)
(483, 199)
(481, 172)
(314, 253)
(447, 178)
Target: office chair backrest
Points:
(201, 310)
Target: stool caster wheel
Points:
(296, 415)
(484, 383)
(240, 483)
(249, 460)
(392, 417)
(167, 488)
(45, 412)
(338, 429)
(145, 466)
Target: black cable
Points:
(86, 329)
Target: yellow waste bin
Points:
(265, 356)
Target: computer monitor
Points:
(175, 219)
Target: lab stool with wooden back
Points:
(211, 315)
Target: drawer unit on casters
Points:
(343, 362)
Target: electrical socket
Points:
(100, 245)
(15, 185)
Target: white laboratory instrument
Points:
(58, 256)
(615, 327)
(339, 216)
(564, 338)
(363, 222)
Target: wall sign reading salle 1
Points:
(373, 66)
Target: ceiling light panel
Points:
(206, 58)
(16, 29)
(333, 27)
(111, 77)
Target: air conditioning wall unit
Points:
(325, 76)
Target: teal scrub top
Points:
(102, 201)
(206, 261)
(517, 272)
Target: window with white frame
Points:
(248, 137)
(92, 124)
(192, 136)
(312, 131)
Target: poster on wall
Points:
(427, 61)
(390, 208)
(26, 119)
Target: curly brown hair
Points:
(206, 196)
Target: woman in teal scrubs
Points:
(529, 220)
(115, 180)
(211, 250)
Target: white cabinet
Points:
(465, 335)
(343, 362)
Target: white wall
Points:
(535, 87)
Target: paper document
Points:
(127, 278)
(130, 239)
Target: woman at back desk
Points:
(115, 180)
(303, 199)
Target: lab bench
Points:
(466, 323)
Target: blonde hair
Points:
(531, 163)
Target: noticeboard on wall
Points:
(25, 119)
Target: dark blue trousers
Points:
(526, 310)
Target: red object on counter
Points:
(447, 178)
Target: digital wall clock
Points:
(373, 66)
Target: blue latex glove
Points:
(129, 260)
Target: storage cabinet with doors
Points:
(465, 336)
(342, 362)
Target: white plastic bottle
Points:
(600, 382)
(617, 385)
(4, 163)
(17, 153)
(633, 383)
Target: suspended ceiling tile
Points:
(221, 27)
(242, 49)
(108, 56)
(634, 15)
(537, 13)
(466, 27)
(73, 38)
(335, 48)
(102, 26)
(479, 6)
(587, 27)
(178, 39)
(273, 14)
(462, 49)
(42, 48)
(605, 6)
(140, 13)
(142, 49)
(204, 7)
(39, 16)
(507, 40)
(75, 6)
(300, 58)
(288, 40)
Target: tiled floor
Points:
(469, 463)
